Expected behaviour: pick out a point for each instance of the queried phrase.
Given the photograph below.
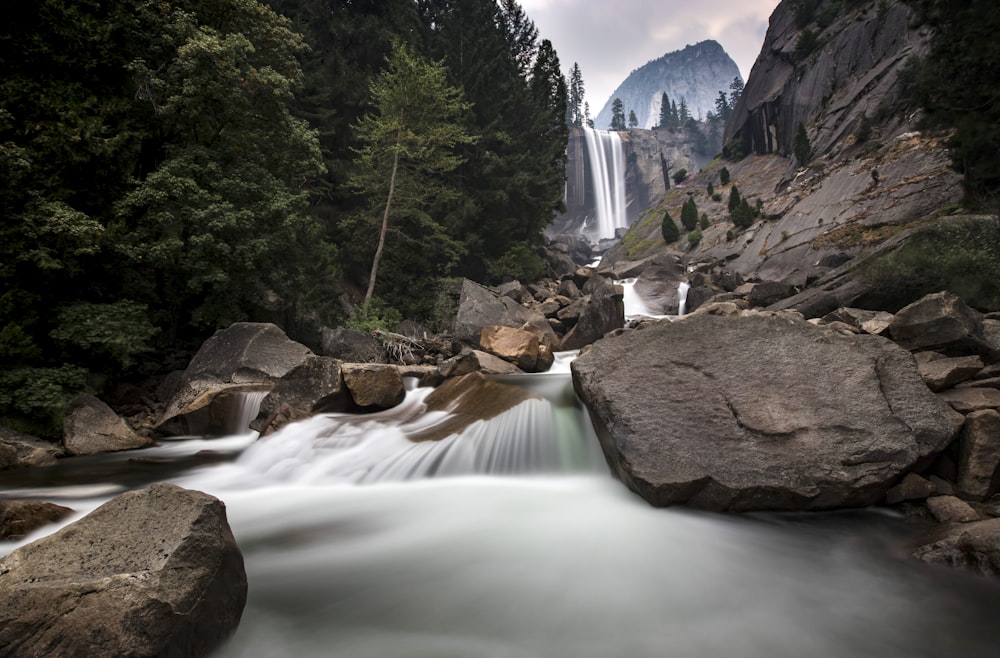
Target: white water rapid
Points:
(511, 540)
(607, 170)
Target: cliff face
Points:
(697, 74)
(872, 173)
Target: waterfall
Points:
(682, 295)
(607, 170)
(247, 408)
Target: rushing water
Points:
(607, 171)
(355, 545)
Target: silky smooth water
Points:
(606, 156)
(354, 547)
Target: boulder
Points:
(244, 357)
(477, 361)
(973, 546)
(468, 399)
(870, 322)
(979, 455)
(967, 400)
(518, 346)
(316, 386)
(603, 312)
(913, 487)
(18, 518)
(941, 322)
(949, 509)
(940, 374)
(480, 307)
(374, 386)
(759, 412)
(18, 450)
(351, 345)
(154, 572)
(766, 293)
(91, 427)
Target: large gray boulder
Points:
(759, 412)
(480, 307)
(247, 356)
(316, 386)
(603, 312)
(972, 546)
(942, 322)
(154, 572)
(18, 518)
(92, 427)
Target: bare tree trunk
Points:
(385, 227)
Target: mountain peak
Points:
(696, 73)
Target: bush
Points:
(961, 255)
(680, 175)
(669, 229)
(520, 263)
(703, 224)
(376, 314)
(724, 176)
(689, 215)
(742, 215)
(34, 400)
(694, 237)
(730, 236)
(710, 189)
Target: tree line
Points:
(169, 168)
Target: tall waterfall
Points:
(607, 172)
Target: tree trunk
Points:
(385, 227)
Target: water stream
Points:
(606, 156)
(513, 540)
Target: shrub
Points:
(724, 176)
(730, 236)
(694, 237)
(680, 175)
(669, 229)
(710, 189)
(376, 314)
(689, 215)
(703, 224)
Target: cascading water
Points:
(682, 295)
(607, 170)
(355, 545)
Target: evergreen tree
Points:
(617, 115)
(734, 198)
(735, 91)
(722, 108)
(689, 215)
(742, 215)
(587, 120)
(665, 119)
(633, 121)
(669, 229)
(724, 176)
(801, 146)
(682, 112)
(575, 115)
(407, 145)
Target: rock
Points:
(913, 487)
(568, 288)
(979, 455)
(766, 293)
(949, 509)
(941, 486)
(314, 387)
(871, 322)
(18, 518)
(19, 450)
(546, 358)
(246, 356)
(91, 427)
(374, 385)
(518, 346)
(759, 412)
(940, 374)
(154, 572)
(974, 546)
(351, 345)
(468, 399)
(941, 322)
(575, 246)
(603, 312)
(478, 361)
(725, 309)
(967, 400)
(479, 307)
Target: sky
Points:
(611, 38)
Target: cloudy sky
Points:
(610, 38)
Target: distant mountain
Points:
(697, 74)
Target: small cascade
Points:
(607, 169)
(635, 305)
(682, 293)
(246, 409)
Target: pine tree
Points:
(633, 121)
(689, 215)
(801, 146)
(735, 91)
(668, 229)
(724, 176)
(617, 115)
(574, 106)
(682, 112)
(665, 118)
(734, 198)
(722, 108)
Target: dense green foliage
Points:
(689, 214)
(961, 255)
(957, 85)
(617, 115)
(801, 146)
(170, 167)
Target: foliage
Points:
(34, 400)
(520, 263)
(633, 120)
(957, 86)
(574, 104)
(961, 255)
(703, 222)
(119, 330)
(734, 198)
(742, 214)
(689, 214)
(694, 237)
(801, 147)
(374, 315)
(724, 176)
(669, 229)
(680, 175)
(710, 189)
(617, 115)
(805, 45)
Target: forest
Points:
(172, 166)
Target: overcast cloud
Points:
(611, 38)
